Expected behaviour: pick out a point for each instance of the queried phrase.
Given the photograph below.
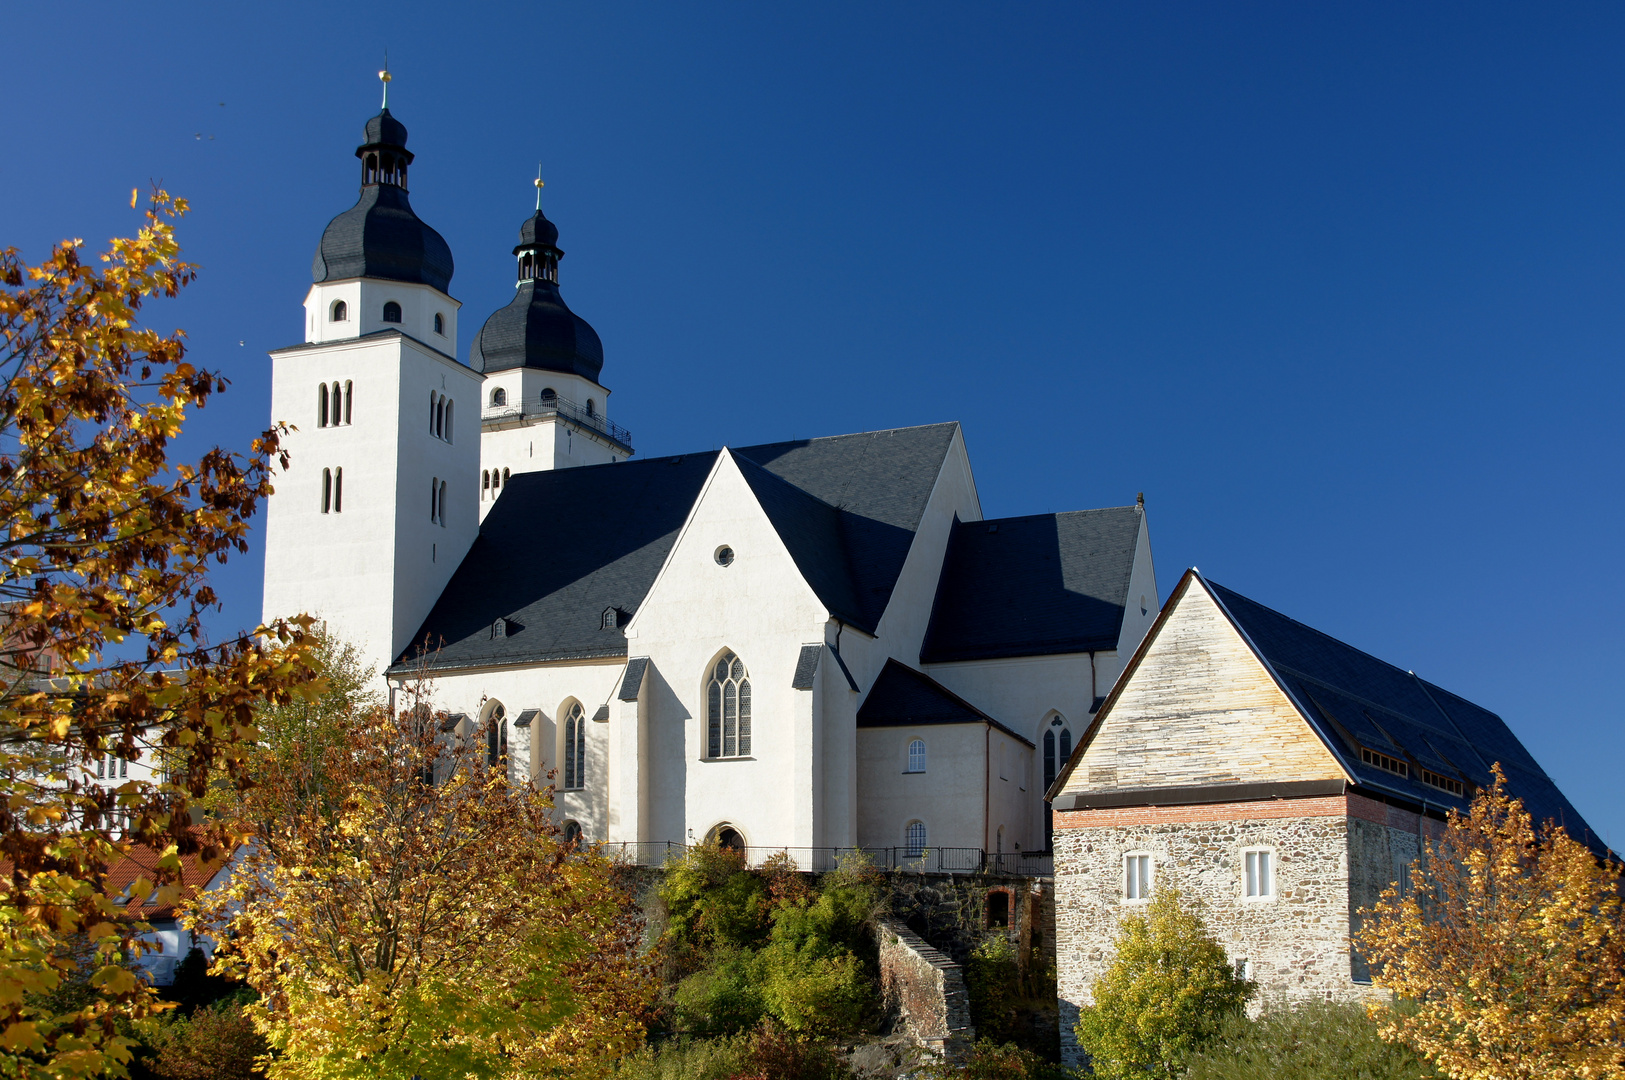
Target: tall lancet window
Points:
(575, 747)
(728, 709)
(321, 406)
(1057, 748)
(496, 737)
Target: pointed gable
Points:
(1196, 708)
(903, 697)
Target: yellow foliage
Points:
(104, 541)
(1512, 945)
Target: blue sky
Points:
(1339, 287)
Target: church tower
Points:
(380, 499)
(544, 407)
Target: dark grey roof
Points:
(553, 584)
(537, 330)
(806, 667)
(1356, 700)
(380, 236)
(526, 717)
(1034, 586)
(602, 715)
(903, 697)
(537, 231)
(632, 681)
(877, 483)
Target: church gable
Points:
(1196, 708)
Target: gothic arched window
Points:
(392, 312)
(1057, 748)
(914, 839)
(572, 833)
(575, 747)
(340, 312)
(728, 708)
(499, 396)
(916, 756)
(496, 736)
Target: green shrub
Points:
(1312, 1041)
(993, 985)
(766, 1052)
(992, 1061)
(214, 1043)
(1169, 990)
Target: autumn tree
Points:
(1168, 991)
(105, 549)
(1511, 944)
(406, 910)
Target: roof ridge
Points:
(1319, 633)
(849, 435)
(1046, 514)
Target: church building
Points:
(808, 645)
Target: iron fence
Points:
(499, 414)
(931, 860)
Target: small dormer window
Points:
(499, 396)
(609, 620)
(499, 629)
(392, 312)
(341, 311)
(439, 324)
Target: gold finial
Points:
(386, 78)
(539, 186)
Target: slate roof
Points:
(1034, 586)
(1355, 699)
(903, 697)
(865, 493)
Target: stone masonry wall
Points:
(923, 992)
(1296, 944)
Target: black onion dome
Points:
(537, 330)
(380, 236)
(537, 231)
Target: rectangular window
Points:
(1260, 874)
(1444, 783)
(1384, 762)
(1137, 877)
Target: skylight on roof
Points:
(1444, 783)
(1384, 762)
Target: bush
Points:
(1169, 991)
(767, 1052)
(217, 1043)
(1313, 1041)
(993, 984)
(991, 1061)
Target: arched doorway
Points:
(727, 837)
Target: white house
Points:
(808, 645)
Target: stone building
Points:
(813, 645)
(1276, 774)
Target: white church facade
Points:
(808, 645)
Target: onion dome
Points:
(380, 236)
(537, 330)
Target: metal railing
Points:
(521, 410)
(930, 860)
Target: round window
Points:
(725, 555)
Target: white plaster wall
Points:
(366, 297)
(374, 569)
(760, 607)
(948, 796)
(550, 688)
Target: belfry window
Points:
(439, 323)
(592, 410)
(340, 312)
(321, 406)
(338, 490)
(550, 396)
(392, 312)
(434, 498)
(485, 482)
(728, 708)
(327, 491)
(441, 504)
(499, 396)
(349, 399)
(575, 748)
(527, 266)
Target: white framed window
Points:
(1138, 876)
(1258, 873)
(916, 756)
(914, 839)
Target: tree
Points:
(1168, 991)
(105, 546)
(405, 910)
(1512, 946)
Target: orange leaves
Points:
(1512, 946)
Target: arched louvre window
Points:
(321, 406)
(496, 737)
(349, 399)
(914, 839)
(392, 312)
(916, 756)
(728, 708)
(575, 748)
(327, 490)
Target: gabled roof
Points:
(1357, 700)
(903, 697)
(1352, 700)
(561, 546)
(142, 861)
(1034, 586)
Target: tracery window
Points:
(496, 736)
(728, 708)
(575, 748)
(1057, 748)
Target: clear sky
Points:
(1339, 287)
